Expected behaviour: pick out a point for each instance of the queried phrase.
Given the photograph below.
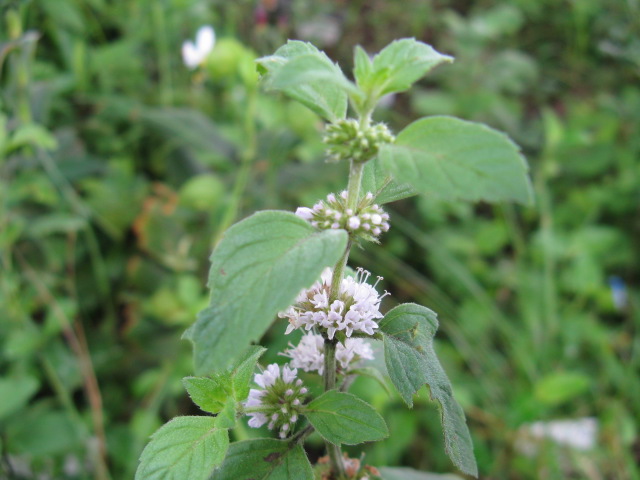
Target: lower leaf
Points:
(412, 362)
(185, 448)
(264, 459)
(344, 418)
(401, 473)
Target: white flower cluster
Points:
(309, 353)
(356, 308)
(279, 402)
(367, 220)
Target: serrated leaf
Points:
(210, 394)
(257, 270)
(402, 473)
(362, 65)
(243, 370)
(344, 418)
(186, 447)
(264, 459)
(399, 65)
(560, 387)
(411, 362)
(310, 68)
(455, 159)
(378, 181)
(227, 416)
(317, 83)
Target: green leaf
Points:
(304, 73)
(43, 433)
(210, 394)
(455, 159)
(257, 270)
(401, 473)
(362, 67)
(411, 362)
(344, 418)
(227, 416)
(264, 459)
(15, 393)
(186, 447)
(399, 65)
(560, 387)
(377, 181)
(32, 134)
(243, 370)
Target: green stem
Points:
(338, 273)
(158, 15)
(329, 364)
(353, 196)
(355, 181)
(335, 455)
(246, 163)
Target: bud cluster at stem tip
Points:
(367, 221)
(349, 140)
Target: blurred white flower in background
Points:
(194, 54)
(579, 434)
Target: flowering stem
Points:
(329, 384)
(353, 195)
(329, 364)
(355, 180)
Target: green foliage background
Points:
(119, 169)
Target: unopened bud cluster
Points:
(279, 403)
(348, 140)
(368, 220)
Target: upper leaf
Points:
(398, 66)
(344, 418)
(379, 182)
(227, 416)
(264, 459)
(186, 447)
(257, 270)
(456, 159)
(243, 370)
(210, 394)
(411, 362)
(304, 73)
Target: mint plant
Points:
(294, 266)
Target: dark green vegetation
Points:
(119, 169)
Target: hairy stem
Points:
(353, 195)
(334, 452)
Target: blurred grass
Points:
(119, 168)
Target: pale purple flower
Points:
(356, 308)
(278, 403)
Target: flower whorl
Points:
(279, 402)
(356, 308)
